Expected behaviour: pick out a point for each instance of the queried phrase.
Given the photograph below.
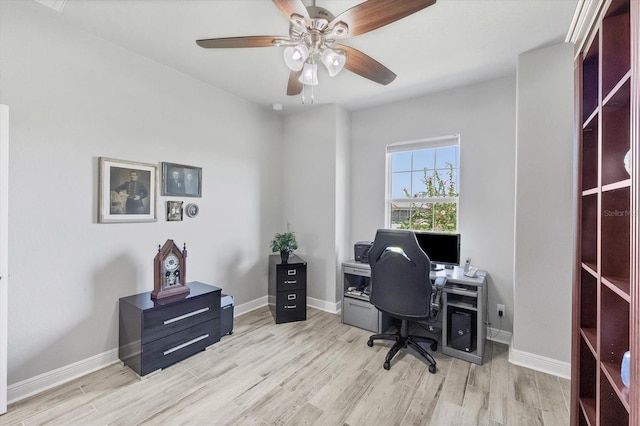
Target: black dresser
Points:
(288, 288)
(156, 334)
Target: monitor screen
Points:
(442, 248)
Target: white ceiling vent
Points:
(56, 5)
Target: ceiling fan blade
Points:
(365, 66)
(373, 14)
(294, 87)
(231, 42)
(290, 7)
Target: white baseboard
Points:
(540, 363)
(500, 336)
(250, 306)
(332, 308)
(50, 379)
(323, 305)
(42, 382)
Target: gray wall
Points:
(74, 98)
(544, 206)
(484, 116)
(315, 195)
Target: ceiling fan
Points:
(313, 36)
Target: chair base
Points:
(402, 340)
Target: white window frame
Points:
(429, 143)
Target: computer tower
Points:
(461, 331)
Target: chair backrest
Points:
(400, 282)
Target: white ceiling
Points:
(452, 43)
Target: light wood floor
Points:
(314, 372)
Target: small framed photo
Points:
(178, 179)
(126, 191)
(174, 211)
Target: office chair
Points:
(401, 288)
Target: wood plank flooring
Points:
(316, 372)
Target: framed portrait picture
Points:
(174, 211)
(127, 191)
(178, 179)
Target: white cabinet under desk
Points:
(463, 313)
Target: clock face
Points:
(171, 262)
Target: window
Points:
(423, 184)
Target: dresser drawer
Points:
(178, 316)
(291, 277)
(176, 347)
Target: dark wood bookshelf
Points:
(606, 293)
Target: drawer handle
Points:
(368, 308)
(291, 282)
(181, 317)
(291, 297)
(290, 306)
(292, 271)
(185, 344)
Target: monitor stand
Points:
(436, 267)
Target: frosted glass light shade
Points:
(334, 60)
(309, 74)
(294, 56)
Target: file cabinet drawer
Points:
(360, 313)
(291, 306)
(291, 277)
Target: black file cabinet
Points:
(156, 334)
(288, 289)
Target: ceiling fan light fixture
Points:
(295, 56)
(339, 30)
(334, 60)
(309, 76)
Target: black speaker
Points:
(461, 331)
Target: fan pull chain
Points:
(304, 90)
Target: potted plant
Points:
(285, 244)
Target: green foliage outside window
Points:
(432, 216)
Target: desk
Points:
(464, 301)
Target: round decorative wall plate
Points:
(192, 210)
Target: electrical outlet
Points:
(501, 310)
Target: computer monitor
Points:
(442, 247)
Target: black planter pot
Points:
(284, 255)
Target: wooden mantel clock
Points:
(169, 271)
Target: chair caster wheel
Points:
(386, 365)
(432, 369)
(434, 347)
(370, 343)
